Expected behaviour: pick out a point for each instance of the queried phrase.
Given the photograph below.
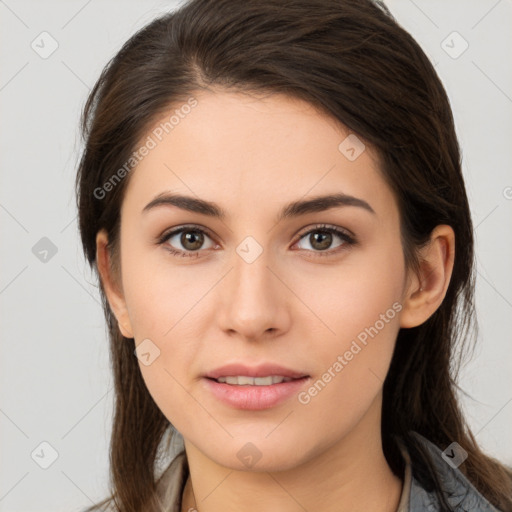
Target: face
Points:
(316, 291)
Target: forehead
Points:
(246, 152)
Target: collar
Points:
(459, 492)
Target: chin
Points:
(259, 455)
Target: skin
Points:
(252, 155)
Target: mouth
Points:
(251, 393)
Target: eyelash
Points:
(347, 239)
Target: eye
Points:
(191, 239)
(321, 238)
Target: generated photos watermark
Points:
(150, 143)
(343, 360)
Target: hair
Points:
(355, 63)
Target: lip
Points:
(254, 397)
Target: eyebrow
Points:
(293, 209)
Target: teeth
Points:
(242, 380)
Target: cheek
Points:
(159, 293)
(164, 304)
(359, 308)
(167, 387)
(349, 297)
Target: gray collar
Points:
(458, 490)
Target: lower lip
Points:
(255, 397)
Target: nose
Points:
(253, 301)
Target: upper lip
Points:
(261, 370)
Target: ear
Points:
(112, 284)
(427, 290)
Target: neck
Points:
(351, 475)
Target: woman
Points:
(272, 196)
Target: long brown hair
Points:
(352, 60)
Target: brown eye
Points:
(322, 237)
(186, 241)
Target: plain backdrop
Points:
(56, 386)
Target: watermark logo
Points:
(44, 455)
(454, 45)
(44, 45)
(249, 249)
(147, 352)
(44, 250)
(249, 455)
(454, 455)
(351, 147)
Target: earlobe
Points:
(111, 285)
(428, 289)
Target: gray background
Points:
(55, 378)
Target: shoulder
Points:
(457, 490)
